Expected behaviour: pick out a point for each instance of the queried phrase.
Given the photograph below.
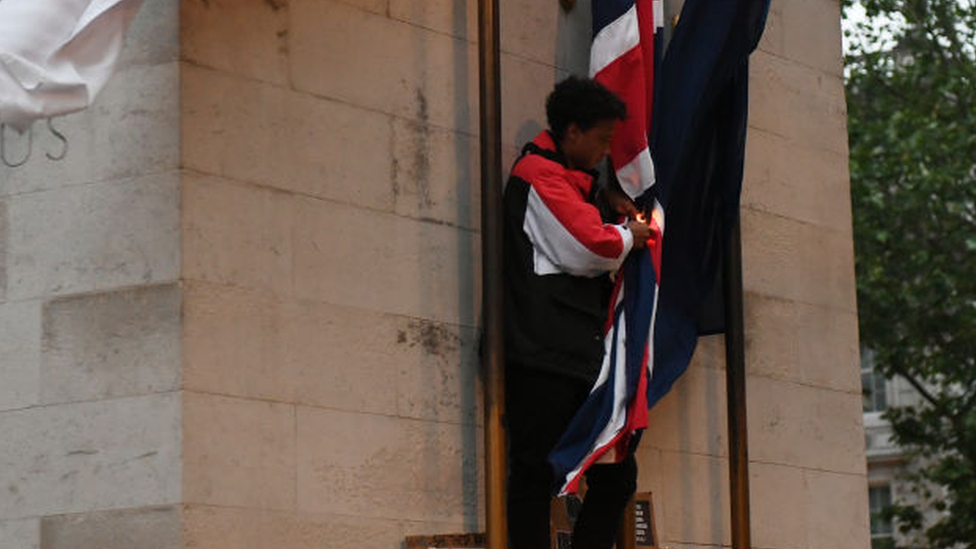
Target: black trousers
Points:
(539, 406)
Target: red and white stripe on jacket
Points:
(567, 232)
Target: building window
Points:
(879, 497)
(873, 385)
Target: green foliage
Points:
(911, 92)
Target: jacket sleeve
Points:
(568, 234)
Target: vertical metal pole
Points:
(491, 271)
(735, 376)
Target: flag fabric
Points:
(56, 55)
(698, 145)
(689, 114)
(622, 58)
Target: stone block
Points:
(21, 534)
(253, 131)
(802, 343)
(412, 73)
(135, 123)
(381, 7)
(386, 263)
(236, 528)
(438, 377)
(692, 416)
(145, 528)
(798, 103)
(387, 467)
(793, 180)
(237, 234)
(827, 348)
(779, 506)
(436, 174)
(20, 343)
(244, 37)
(772, 38)
(838, 510)
(111, 344)
(93, 237)
(458, 18)
(791, 424)
(238, 452)
(540, 31)
(154, 35)
(811, 34)
(71, 458)
(131, 129)
(791, 260)
(695, 501)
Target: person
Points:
(558, 253)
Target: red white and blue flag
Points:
(606, 428)
(697, 140)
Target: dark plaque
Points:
(644, 521)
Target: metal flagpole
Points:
(735, 380)
(491, 271)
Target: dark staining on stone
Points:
(421, 155)
(276, 4)
(433, 338)
(401, 336)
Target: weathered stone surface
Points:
(257, 132)
(799, 104)
(130, 130)
(803, 343)
(111, 344)
(695, 499)
(145, 528)
(791, 179)
(154, 35)
(436, 174)
(93, 237)
(20, 342)
(792, 424)
(211, 31)
(238, 452)
(541, 31)
(234, 528)
(838, 510)
(811, 34)
(387, 467)
(386, 263)
(412, 73)
(779, 499)
(97, 455)
(237, 234)
(21, 534)
(796, 261)
(692, 416)
(252, 344)
(381, 7)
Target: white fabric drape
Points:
(56, 55)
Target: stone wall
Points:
(242, 312)
(90, 309)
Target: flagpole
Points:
(489, 90)
(735, 380)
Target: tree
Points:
(911, 92)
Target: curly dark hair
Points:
(583, 101)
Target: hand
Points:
(621, 203)
(641, 232)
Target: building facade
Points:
(241, 311)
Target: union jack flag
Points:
(622, 58)
(698, 131)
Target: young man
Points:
(558, 254)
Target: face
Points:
(586, 149)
